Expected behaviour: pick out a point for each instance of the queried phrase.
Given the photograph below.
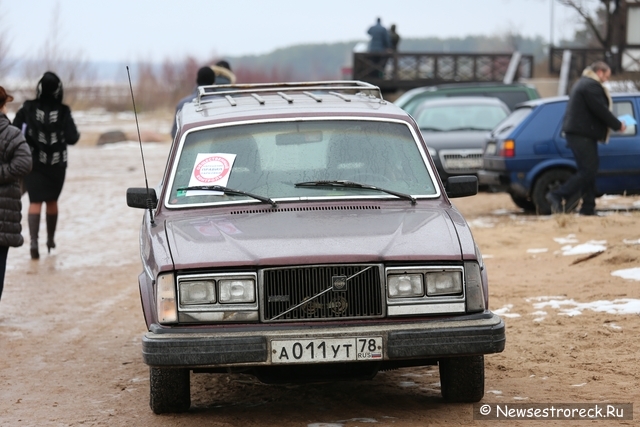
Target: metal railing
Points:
(407, 70)
(580, 59)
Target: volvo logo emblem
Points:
(339, 283)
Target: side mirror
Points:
(140, 197)
(461, 186)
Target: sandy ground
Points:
(71, 323)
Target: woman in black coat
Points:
(48, 127)
(15, 163)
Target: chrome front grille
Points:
(322, 292)
(461, 160)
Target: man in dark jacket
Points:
(379, 43)
(587, 121)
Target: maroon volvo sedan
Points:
(301, 233)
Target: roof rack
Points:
(313, 90)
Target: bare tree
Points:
(5, 63)
(598, 16)
(73, 68)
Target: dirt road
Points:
(71, 323)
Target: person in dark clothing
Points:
(15, 163)
(206, 77)
(224, 75)
(394, 37)
(49, 128)
(587, 121)
(379, 43)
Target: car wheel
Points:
(169, 390)
(523, 202)
(548, 181)
(462, 378)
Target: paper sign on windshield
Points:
(210, 169)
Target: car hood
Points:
(458, 139)
(286, 236)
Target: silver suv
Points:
(300, 231)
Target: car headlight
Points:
(444, 283)
(166, 299)
(405, 285)
(198, 292)
(237, 290)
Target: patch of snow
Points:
(537, 250)
(405, 384)
(543, 298)
(520, 398)
(579, 385)
(501, 212)
(629, 273)
(541, 315)
(631, 242)
(569, 307)
(504, 311)
(585, 248)
(614, 326)
(571, 238)
(482, 223)
(494, 391)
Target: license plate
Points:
(326, 350)
(470, 163)
(491, 149)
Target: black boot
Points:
(52, 220)
(34, 227)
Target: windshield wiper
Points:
(468, 128)
(231, 191)
(430, 129)
(351, 184)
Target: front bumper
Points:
(460, 336)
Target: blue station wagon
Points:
(527, 154)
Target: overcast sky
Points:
(131, 30)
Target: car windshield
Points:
(268, 159)
(448, 118)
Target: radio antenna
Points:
(150, 204)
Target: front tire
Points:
(169, 390)
(462, 378)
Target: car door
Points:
(620, 159)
